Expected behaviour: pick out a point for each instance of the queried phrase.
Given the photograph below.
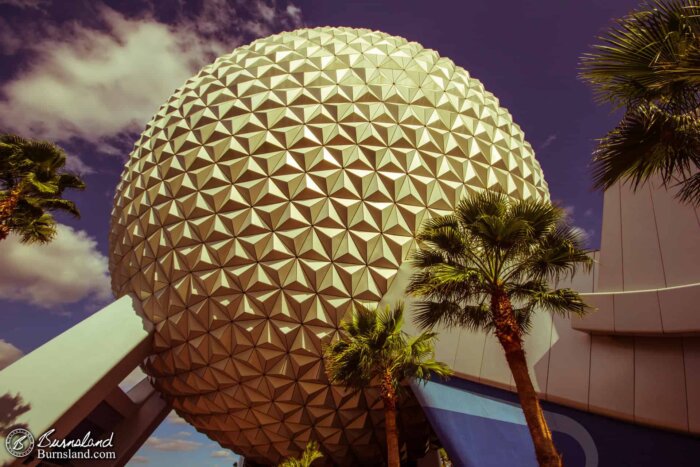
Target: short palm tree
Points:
(649, 63)
(310, 454)
(32, 182)
(373, 348)
(488, 266)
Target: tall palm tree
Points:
(373, 347)
(310, 454)
(649, 63)
(488, 266)
(32, 182)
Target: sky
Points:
(90, 74)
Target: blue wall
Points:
(481, 426)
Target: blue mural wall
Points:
(481, 426)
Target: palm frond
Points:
(69, 180)
(391, 319)
(690, 189)
(647, 141)
(444, 280)
(650, 53)
(377, 346)
(416, 359)
(450, 242)
(523, 316)
(349, 365)
(436, 224)
(650, 63)
(536, 294)
(541, 217)
(44, 187)
(486, 203)
(522, 291)
(58, 204)
(500, 232)
(428, 314)
(558, 254)
(511, 247)
(310, 454)
(13, 140)
(40, 229)
(32, 171)
(44, 153)
(424, 258)
(560, 301)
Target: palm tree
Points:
(373, 347)
(488, 266)
(310, 454)
(649, 63)
(32, 183)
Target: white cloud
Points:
(139, 460)
(8, 354)
(95, 84)
(171, 444)
(294, 13)
(585, 234)
(548, 142)
(590, 234)
(98, 84)
(175, 419)
(27, 4)
(267, 12)
(67, 270)
(75, 165)
(221, 454)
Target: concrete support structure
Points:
(71, 383)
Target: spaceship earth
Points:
(276, 188)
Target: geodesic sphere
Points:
(277, 187)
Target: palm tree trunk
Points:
(509, 335)
(7, 208)
(392, 433)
